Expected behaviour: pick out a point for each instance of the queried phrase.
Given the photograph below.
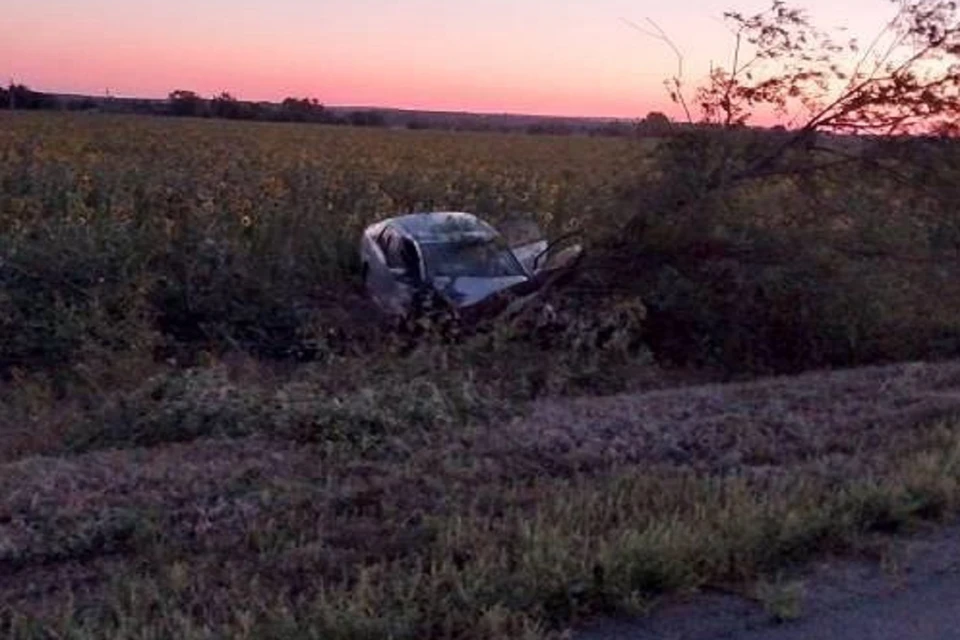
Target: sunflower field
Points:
(118, 231)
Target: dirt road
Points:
(913, 593)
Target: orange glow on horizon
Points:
(519, 56)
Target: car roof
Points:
(444, 226)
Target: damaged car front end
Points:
(454, 262)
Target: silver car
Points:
(457, 260)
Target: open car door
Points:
(561, 253)
(525, 238)
(535, 253)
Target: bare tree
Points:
(905, 81)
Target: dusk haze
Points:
(576, 58)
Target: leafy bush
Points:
(210, 295)
(174, 407)
(206, 402)
(782, 274)
(755, 318)
(67, 289)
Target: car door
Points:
(401, 272)
(377, 278)
(535, 252)
(525, 239)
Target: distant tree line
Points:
(185, 103)
(190, 104)
(18, 96)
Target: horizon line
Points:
(369, 107)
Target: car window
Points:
(389, 242)
(483, 259)
(409, 257)
(399, 252)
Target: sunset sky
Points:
(573, 57)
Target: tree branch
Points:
(660, 34)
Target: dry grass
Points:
(514, 530)
(771, 422)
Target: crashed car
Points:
(457, 262)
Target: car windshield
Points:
(472, 259)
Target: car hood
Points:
(466, 291)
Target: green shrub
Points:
(782, 271)
(204, 402)
(175, 407)
(68, 287)
(755, 318)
